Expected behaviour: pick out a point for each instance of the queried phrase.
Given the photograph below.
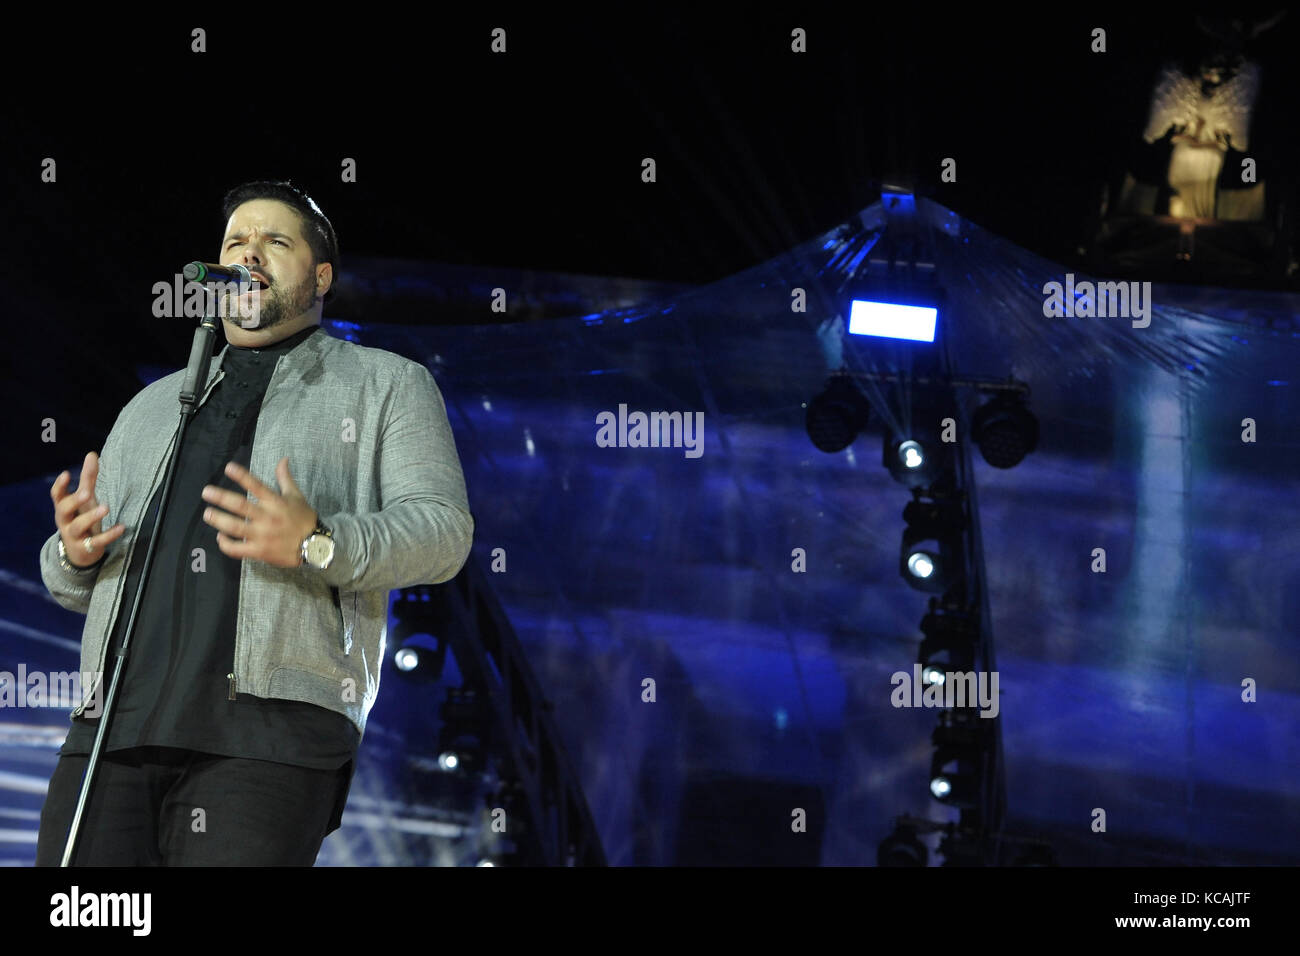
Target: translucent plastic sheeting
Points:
(1120, 691)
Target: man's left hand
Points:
(270, 528)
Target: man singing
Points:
(316, 476)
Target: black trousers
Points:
(159, 806)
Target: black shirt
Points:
(176, 688)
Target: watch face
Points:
(319, 549)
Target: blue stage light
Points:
(889, 320)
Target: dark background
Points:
(532, 159)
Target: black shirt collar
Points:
(275, 348)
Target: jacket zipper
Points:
(231, 678)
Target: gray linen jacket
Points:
(370, 447)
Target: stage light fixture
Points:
(836, 416)
(1005, 430)
(923, 563)
(940, 785)
(893, 320)
(902, 848)
(930, 555)
(915, 461)
(952, 782)
(955, 769)
(910, 462)
(927, 564)
(911, 455)
(465, 737)
(948, 646)
(420, 658)
(419, 655)
(406, 659)
(448, 760)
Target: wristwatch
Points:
(72, 568)
(318, 547)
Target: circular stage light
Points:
(836, 416)
(914, 462)
(1005, 430)
(921, 564)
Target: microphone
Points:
(208, 271)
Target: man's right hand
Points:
(78, 515)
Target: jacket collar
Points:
(300, 354)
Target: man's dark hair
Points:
(315, 226)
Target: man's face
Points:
(265, 236)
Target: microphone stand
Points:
(196, 377)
